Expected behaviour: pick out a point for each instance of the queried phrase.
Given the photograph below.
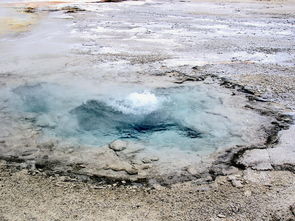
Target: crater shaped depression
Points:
(189, 118)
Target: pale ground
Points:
(261, 196)
(250, 42)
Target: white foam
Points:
(142, 100)
(137, 103)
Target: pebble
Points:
(202, 188)
(247, 193)
(149, 159)
(192, 170)
(157, 186)
(236, 183)
(118, 145)
(292, 208)
(146, 160)
(221, 216)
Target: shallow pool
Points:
(191, 118)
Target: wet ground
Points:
(244, 51)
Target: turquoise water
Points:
(187, 118)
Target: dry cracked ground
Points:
(246, 47)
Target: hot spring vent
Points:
(105, 120)
(189, 118)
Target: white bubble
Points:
(143, 100)
(137, 103)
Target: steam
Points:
(137, 103)
(182, 117)
(40, 48)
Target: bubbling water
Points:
(186, 118)
(137, 103)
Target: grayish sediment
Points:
(243, 50)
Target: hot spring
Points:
(188, 118)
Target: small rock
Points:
(247, 193)
(98, 187)
(192, 170)
(237, 183)
(132, 171)
(146, 160)
(23, 165)
(62, 178)
(32, 164)
(149, 159)
(154, 158)
(118, 145)
(136, 206)
(71, 150)
(142, 174)
(157, 186)
(231, 177)
(292, 208)
(28, 152)
(203, 188)
(221, 216)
